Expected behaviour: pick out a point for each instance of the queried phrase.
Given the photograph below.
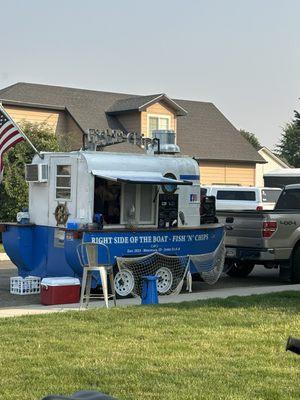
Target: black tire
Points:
(238, 269)
(295, 276)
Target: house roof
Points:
(140, 103)
(204, 132)
(281, 161)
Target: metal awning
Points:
(150, 178)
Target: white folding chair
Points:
(89, 255)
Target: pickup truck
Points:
(269, 238)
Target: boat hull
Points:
(48, 251)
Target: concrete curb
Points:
(4, 257)
(211, 294)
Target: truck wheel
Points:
(295, 278)
(238, 269)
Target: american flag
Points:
(10, 135)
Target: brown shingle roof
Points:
(140, 103)
(130, 103)
(203, 133)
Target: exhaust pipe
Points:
(293, 344)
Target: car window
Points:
(289, 200)
(241, 195)
(270, 196)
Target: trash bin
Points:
(149, 289)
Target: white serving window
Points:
(63, 182)
(158, 123)
(129, 204)
(138, 205)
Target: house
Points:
(272, 162)
(203, 132)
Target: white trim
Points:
(163, 96)
(153, 100)
(158, 116)
(62, 187)
(273, 156)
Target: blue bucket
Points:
(149, 289)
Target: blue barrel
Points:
(149, 289)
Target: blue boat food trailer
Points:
(136, 204)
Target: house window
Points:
(63, 182)
(158, 123)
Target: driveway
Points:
(260, 277)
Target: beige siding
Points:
(71, 137)
(272, 163)
(68, 132)
(54, 119)
(227, 173)
(131, 121)
(212, 173)
(157, 109)
(144, 125)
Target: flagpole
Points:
(21, 131)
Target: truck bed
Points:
(271, 238)
(244, 229)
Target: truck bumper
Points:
(259, 254)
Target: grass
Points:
(215, 349)
(2, 248)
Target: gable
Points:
(158, 109)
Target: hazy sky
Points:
(244, 56)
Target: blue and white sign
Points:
(136, 243)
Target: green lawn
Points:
(1, 248)
(217, 349)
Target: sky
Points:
(241, 55)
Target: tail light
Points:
(269, 228)
(259, 208)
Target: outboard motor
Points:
(293, 344)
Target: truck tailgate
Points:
(243, 228)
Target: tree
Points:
(289, 144)
(252, 139)
(14, 189)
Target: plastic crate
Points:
(23, 286)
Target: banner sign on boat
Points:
(169, 242)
